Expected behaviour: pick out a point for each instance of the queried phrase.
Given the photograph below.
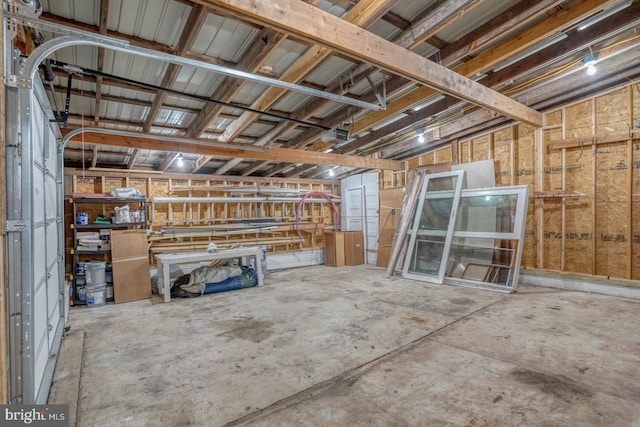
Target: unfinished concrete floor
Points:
(323, 346)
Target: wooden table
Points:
(165, 260)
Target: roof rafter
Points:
(313, 24)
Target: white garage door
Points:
(35, 249)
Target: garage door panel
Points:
(37, 134)
(42, 357)
(38, 195)
(39, 257)
(50, 197)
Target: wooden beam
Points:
(520, 14)
(572, 14)
(171, 156)
(133, 158)
(320, 27)
(189, 33)
(434, 19)
(102, 29)
(595, 140)
(363, 14)
(273, 154)
(94, 156)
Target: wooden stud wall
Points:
(314, 216)
(588, 148)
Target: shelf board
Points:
(99, 252)
(102, 200)
(120, 225)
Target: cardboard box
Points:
(130, 265)
(353, 247)
(334, 248)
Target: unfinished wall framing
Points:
(187, 212)
(584, 211)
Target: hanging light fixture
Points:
(332, 171)
(420, 133)
(590, 62)
(180, 160)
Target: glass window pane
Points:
(433, 227)
(487, 213)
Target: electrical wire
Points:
(178, 93)
(326, 196)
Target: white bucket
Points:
(95, 273)
(109, 292)
(95, 295)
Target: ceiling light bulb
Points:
(331, 172)
(179, 161)
(421, 139)
(590, 62)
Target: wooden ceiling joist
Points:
(313, 24)
(273, 154)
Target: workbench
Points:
(165, 260)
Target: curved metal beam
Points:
(87, 38)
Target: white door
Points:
(360, 210)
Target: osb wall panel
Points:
(160, 188)
(443, 155)
(502, 141)
(578, 214)
(612, 112)
(524, 171)
(635, 265)
(611, 210)
(392, 179)
(579, 120)
(553, 118)
(413, 163)
(525, 157)
(530, 248)
(480, 148)
(428, 159)
(635, 93)
(465, 151)
(552, 183)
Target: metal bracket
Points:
(16, 81)
(15, 225)
(382, 99)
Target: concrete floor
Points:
(322, 346)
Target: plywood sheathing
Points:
(502, 152)
(598, 234)
(480, 148)
(443, 155)
(524, 174)
(552, 183)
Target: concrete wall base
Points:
(579, 283)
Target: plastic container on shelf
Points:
(82, 218)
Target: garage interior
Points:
(434, 203)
